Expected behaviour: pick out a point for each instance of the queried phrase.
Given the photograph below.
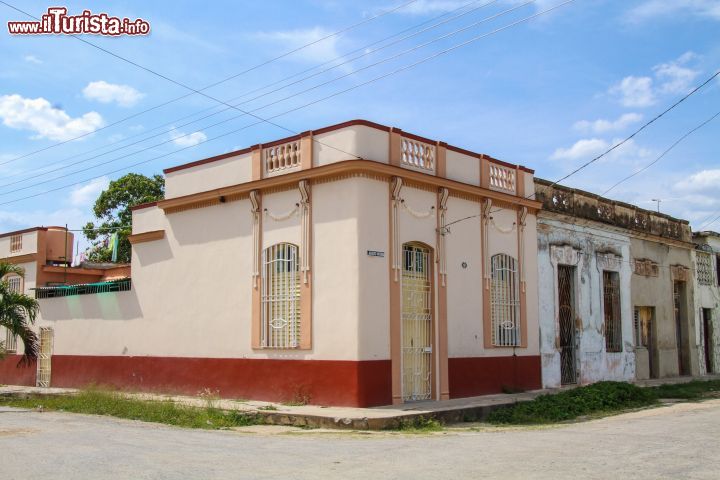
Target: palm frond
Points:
(18, 313)
(6, 268)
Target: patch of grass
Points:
(598, 398)
(268, 407)
(693, 390)
(418, 425)
(114, 404)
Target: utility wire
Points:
(683, 137)
(296, 94)
(193, 91)
(443, 228)
(394, 72)
(63, 166)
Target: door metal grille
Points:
(611, 294)
(566, 320)
(281, 297)
(44, 357)
(416, 324)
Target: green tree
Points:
(17, 313)
(112, 210)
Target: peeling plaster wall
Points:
(657, 292)
(708, 296)
(593, 362)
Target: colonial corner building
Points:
(361, 265)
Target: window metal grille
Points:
(504, 301)
(566, 323)
(280, 326)
(14, 283)
(704, 268)
(15, 243)
(10, 342)
(416, 324)
(613, 324)
(44, 357)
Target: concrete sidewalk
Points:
(377, 418)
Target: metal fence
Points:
(121, 285)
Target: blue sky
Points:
(550, 94)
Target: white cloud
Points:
(322, 51)
(670, 78)
(604, 126)
(104, 92)
(703, 181)
(582, 149)
(675, 76)
(187, 140)
(634, 91)
(84, 195)
(32, 59)
(39, 116)
(664, 8)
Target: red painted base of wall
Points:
(321, 382)
(343, 383)
(474, 376)
(12, 373)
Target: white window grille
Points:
(15, 243)
(505, 301)
(10, 342)
(281, 296)
(704, 268)
(14, 283)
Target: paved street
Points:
(669, 442)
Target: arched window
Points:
(504, 301)
(280, 326)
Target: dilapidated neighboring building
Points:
(707, 299)
(615, 290)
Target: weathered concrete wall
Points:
(564, 241)
(657, 291)
(707, 296)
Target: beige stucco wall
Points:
(657, 292)
(29, 245)
(463, 168)
(191, 292)
(350, 142)
(221, 173)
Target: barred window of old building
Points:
(504, 301)
(280, 326)
(704, 268)
(611, 304)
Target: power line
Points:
(643, 127)
(394, 72)
(61, 167)
(627, 139)
(193, 91)
(683, 137)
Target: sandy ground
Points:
(675, 441)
